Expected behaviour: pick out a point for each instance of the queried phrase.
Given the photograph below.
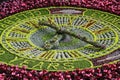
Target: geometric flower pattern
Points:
(22, 38)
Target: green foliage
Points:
(82, 64)
(7, 57)
(44, 11)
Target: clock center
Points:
(44, 37)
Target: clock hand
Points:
(81, 38)
(63, 31)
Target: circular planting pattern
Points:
(44, 38)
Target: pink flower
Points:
(2, 77)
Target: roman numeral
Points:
(89, 24)
(101, 30)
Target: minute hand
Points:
(63, 31)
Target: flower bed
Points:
(106, 72)
(111, 71)
(13, 6)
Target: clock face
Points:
(26, 42)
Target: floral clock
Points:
(60, 38)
